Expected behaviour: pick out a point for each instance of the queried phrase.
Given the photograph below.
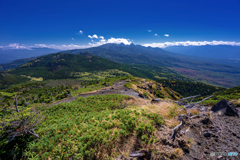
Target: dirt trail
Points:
(117, 88)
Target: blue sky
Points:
(57, 23)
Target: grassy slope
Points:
(152, 89)
(97, 127)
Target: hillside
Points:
(7, 79)
(193, 67)
(231, 94)
(15, 64)
(10, 55)
(210, 51)
(64, 65)
(188, 88)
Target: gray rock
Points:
(225, 107)
(155, 100)
(207, 134)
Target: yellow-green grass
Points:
(33, 78)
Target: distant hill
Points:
(200, 69)
(210, 51)
(10, 55)
(224, 54)
(15, 64)
(65, 65)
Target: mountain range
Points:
(197, 68)
(224, 54)
(10, 55)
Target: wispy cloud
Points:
(149, 30)
(156, 35)
(80, 32)
(102, 41)
(191, 43)
(73, 39)
(166, 35)
(16, 46)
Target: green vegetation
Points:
(64, 65)
(7, 79)
(151, 89)
(15, 64)
(91, 127)
(232, 94)
(191, 67)
(100, 75)
(188, 88)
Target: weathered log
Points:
(204, 99)
(177, 128)
(182, 99)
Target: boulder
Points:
(207, 134)
(155, 100)
(225, 107)
(142, 96)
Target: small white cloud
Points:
(80, 32)
(166, 35)
(101, 37)
(156, 35)
(149, 30)
(92, 40)
(73, 39)
(93, 36)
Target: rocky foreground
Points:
(214, 129)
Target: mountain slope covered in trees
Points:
(194, 67)
(65, 65)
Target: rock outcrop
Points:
(225, 107)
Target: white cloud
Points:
(118, 41)
(80, 32)
(73, 39)
(149, 30)
(191, 43)
(16, 46)
(155, 34)
(60, 47)
(166, 35)
(93, 36)
(111, 40)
